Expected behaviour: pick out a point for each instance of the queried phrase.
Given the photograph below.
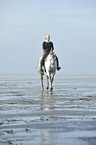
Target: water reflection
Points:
(47, 104)
(29, 115)
(46, 138)
(47, 101)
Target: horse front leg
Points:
(42, 83)
(47, 87)
(52, 78)
(51, 81)
(51, 88)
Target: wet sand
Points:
(66, 115)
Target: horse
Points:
(50, 67)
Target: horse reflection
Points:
(47, 101)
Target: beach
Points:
(66, 115)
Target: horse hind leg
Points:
(42, 82)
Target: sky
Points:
(25, 23)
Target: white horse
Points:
(50, 69)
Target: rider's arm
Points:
(43, 46)
(52, 47)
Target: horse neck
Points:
(51, 58)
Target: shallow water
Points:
(66, 115)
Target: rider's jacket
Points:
(47, 46)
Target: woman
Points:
(47, 46)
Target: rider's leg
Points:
(45, 54)
(58, 68)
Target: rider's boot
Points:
(58, 68)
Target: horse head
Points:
(52, 57)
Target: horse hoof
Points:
(51, 89)
(42, 89)
(47, 87)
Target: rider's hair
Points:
(47, 36)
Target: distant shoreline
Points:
(30, 74)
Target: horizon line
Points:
(68, 74)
